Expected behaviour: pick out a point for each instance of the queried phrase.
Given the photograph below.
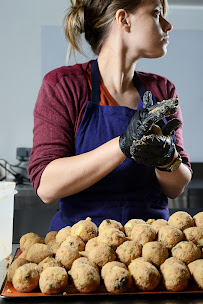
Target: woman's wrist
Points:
(174, 158)
(173, 165)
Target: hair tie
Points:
(78, 5)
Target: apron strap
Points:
(95, 82)
(139, 85)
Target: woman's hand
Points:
(157, 148)
(141, 141)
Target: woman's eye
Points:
(157, 13)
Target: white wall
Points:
(21, 23)
(20, 66)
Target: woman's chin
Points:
(155, 55)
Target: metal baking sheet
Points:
(8, 291)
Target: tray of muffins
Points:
(141, 257)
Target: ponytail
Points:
(74, 26)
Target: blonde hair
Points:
(93, 18)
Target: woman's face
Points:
(148, 37)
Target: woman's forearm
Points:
(173, 183)
(69, 175)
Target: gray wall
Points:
(32, 43)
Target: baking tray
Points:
(8, 291)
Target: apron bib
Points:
(129, 191)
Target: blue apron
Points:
(129, 191)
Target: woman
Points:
(96, 146)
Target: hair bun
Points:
(78, 4)
(77, 12)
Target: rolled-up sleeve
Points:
(179, 131)
(59, 108)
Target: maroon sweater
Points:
(59, 109)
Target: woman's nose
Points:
(166, 25)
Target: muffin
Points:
(118, 280)
(85, 229)
(186, 252)
(38, 252)
(91, 244)
(26, 277)
(128, 251)
(51, 235)
(105, 224)
(16, 264)
(53, 280)
(112, 237)
(198, 219)
(196, 271)
(101, 255)
(106, 269)
(175, 276)
(75, 242)
(170, 236)
(130, 225)
(48, 262)
(146, 276)
(63, 234)
(24, 238)
(84, 260)
(85, 277)
(54, 245)
(143, 233)
(158, 224)
(168, 262)
(66, 255)
(155, 253)
(181, 220)
(194, 234)
(24, 253)
(35, 239)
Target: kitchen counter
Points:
(177, 298)
(29, 209)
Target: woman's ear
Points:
(123, 20)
